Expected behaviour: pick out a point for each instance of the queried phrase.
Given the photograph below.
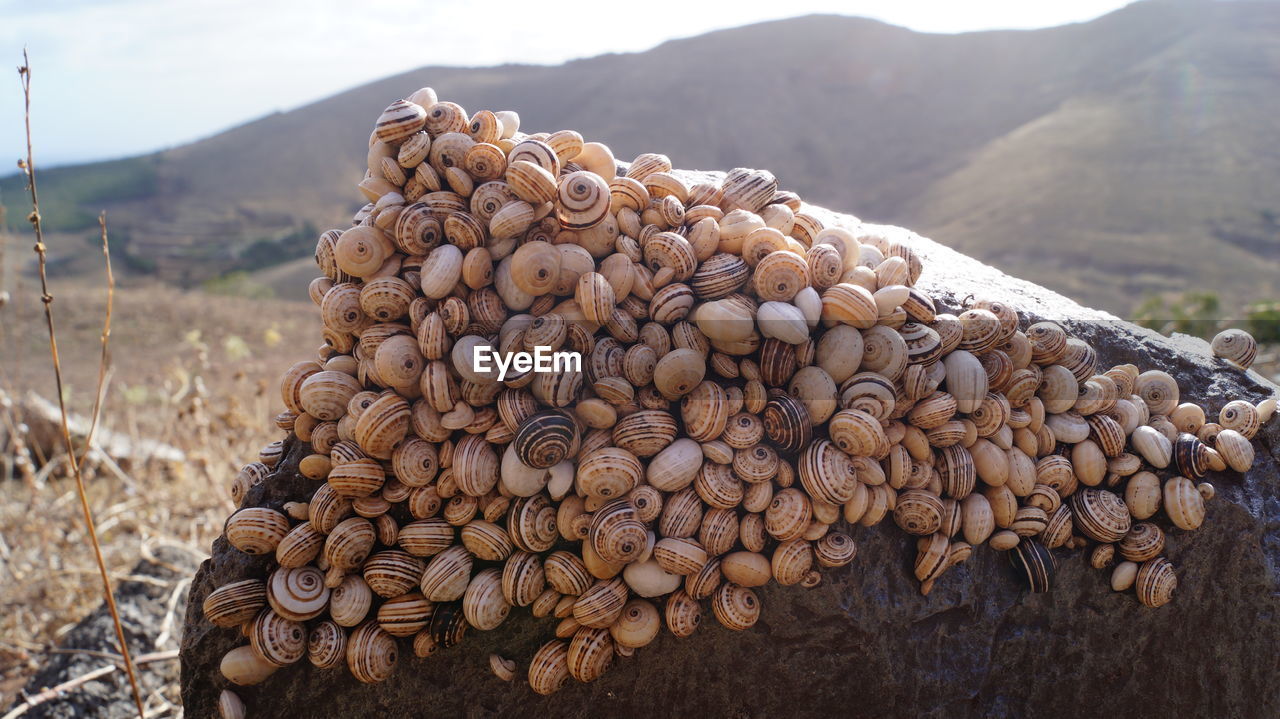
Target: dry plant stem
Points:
(24, 74)
(105, 360)
(57, 691)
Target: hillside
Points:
(1134, 153)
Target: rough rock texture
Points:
(865, 642)
(144, 602)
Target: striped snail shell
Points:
(718, 486)
(827, 473)
(391, 573)
(1080, 359)
(236, 603)
(425, 537)
(1183, 503)
(276, 639)
(616, 533)
(400, 120)
(358, 478)
(735, 607)
(1236, 450)
(256, 530)
(980, 330)
(475, 465)
(582, 200)
(611, 472)
(780, 275)
(1035, 564)
(679, 555)
(483, 603)
(544, 439)
(637, 626)
(326, 645)
(417, 231)
(1058, 526)
(1059, 389)
(601, 604)
(678, 372)
(671, 470)
(523, 578)
(549, 668)
(298, 594)
(957, 471)
(719, 276)
(590, 654)
(786, 423)
(349, 602)
(405, 615)
(1101, 515)
(448, 625)
(1155, 582)
(682, 614)
(324, 395)
(645, 433)
(446, 575)
(918, 512)
(1108, 434)
(1143, 542)
(566, 573)
(1235, 346)
(486, 540)
(531, 522)
(850, 304)
(1191, 456)
(1240, 416)
(1048, 343)
(747, 189)
(788, 514)
(792, 561)
(681, 514)
(836, 549)
(530, 182)
(371, 654)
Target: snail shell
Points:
(349, 602)
(549, 668)
(611, 472)
(544, 439)
(447, 575)
(277, 640)
(616, 533)
(679, 555)
(827, 473)
(788, 514)
(1183, 503)
(966, 380)
(391, 573)
(426, 537)
(1236, 346)
(582, 200)
(637, 626)
(1191, 456)
(1236, 450)
(1240, 416)
(326, 645)
(405, 615)
(256, 530)
(244, 667)
(1158, 390)
(787, 424)
(719, 276)
(601, 604)
(918, 512)
(1100, 515)
(1143, 542)
(1035, 564)
(590, 654)
(1155, 582)
(298, 594)
(792, 561)
(1123, 576)
(236, 603)
(371, 654)
(483, 603)
(850, 304)
(566, 573)
(1154, 447)
(523, 578)
(835, 549)
(735, 607)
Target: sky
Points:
(113, 78)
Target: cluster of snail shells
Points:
(753, 382)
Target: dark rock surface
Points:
(865, 642)
(143, 602)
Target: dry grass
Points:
(189, 369)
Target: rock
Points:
(144, 603)
(865, 642)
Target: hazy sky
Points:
(115, 78)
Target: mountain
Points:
(1136, 153)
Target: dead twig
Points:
(28, 166)
(105, 361)
(54, 692)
